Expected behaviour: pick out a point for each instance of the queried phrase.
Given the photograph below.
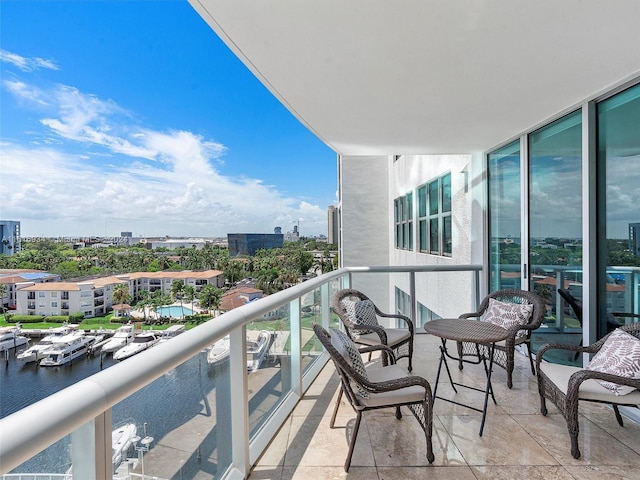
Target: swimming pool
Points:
(174, 311)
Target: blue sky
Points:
(133, 116)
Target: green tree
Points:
(121, 295)
(210, 297)
(177, 292)
(3, 291)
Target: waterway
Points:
(193, 389)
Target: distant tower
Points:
(332, 236)
(634, 238)
(277, 230)
(9, 237)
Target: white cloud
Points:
(27, 64)
(100, 172)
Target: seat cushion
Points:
(395, 336)
(619, 355)
(376, 374)
(590, 389)
(507, 314)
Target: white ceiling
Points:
(429, 76)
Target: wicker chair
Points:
(399, 339)
(505, 351)
(566, 385)
(384, 387)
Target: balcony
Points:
(274, 422)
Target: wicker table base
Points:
(473, 331)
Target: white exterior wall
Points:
(364, 212)
(368, 187)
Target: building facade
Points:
(333, 225)
(10, 242)
(250, 243)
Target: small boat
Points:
(121, 441)
(257, 349)
(141, 342)
(122, 336)
(10, 338)
(219, 351)
(171, 332)
(38, 351)
(67, 348)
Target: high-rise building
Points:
(250, 243)
(333, 225)
(9, 237)
(634, 238)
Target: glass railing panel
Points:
(181, 422)
(54, 461)
(269, 364)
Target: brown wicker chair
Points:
(399, 339)
(566, 385)
(505, 351)
(385, 387)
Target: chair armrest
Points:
(388, 351)
(563, 346)
(378, 329)
(471, 315)
(404, 318)
(397, 384)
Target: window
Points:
(403, 213)
(425, 315)
(42, 294)
(434, 217)
(54, 294)
(54, 304)
(403, 303)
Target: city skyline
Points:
(134, 116)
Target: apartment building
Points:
(153, 281)
(95, 297)
(9, 277)
(92, 298)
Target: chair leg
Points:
(411, 356)
(398, 413)
(618, 416)
(352, 443)
(335, 409)
(533, 369)
(543, 403)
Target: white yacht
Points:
(67, 349)
(141, 342)
(257, 349)
(121, 441)
(171, 332)
(10, 338)
(38, 351)
(219, 351)
(123, 335)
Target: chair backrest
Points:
(573, 302)
(344, 302)
(522, 297)
(348, 376)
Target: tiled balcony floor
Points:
(518, 442)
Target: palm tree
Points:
(121, 295)
(190, 293)
(177, 291)
(210, 297)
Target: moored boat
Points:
(122, 336)
(171, 332)
(219, 351)
(10, 337)
(67, 349)
(121, 441)
(38, 351)
(141, 342)
(257, 349)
